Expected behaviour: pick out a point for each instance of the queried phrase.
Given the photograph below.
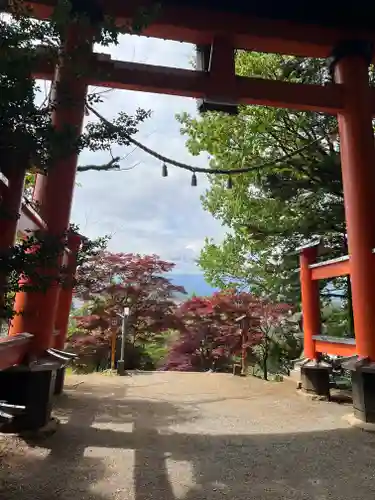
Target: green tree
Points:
(335, 320)
(279, 204)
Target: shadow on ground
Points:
(166, 465)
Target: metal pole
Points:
(113, 349)
(123, 334)
(121, 362)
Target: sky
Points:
(141, 210)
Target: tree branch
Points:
(112, 165)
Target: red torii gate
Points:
(225, 26)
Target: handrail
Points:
(29, 216)
(334, 340)
(4, 179)
(328, 262)
(335, 260)
(331, 268)
(311, 244)
(334, 345)
(66, 354)
(14, 349)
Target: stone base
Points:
(32, 388)
(121, 368)
(315, 379)
(59, 382)
(237, 369)
(312, 396)
(359, 424)
(43, 432)
(363, 390)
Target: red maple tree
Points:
(211, 333)
(113, 281)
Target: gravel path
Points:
(172, 436)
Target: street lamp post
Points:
(114, 323)
(121, 362)
(125, 316)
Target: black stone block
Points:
(59, 382)
(205, 105)
(30, 388)
(363, 391)
(315, 379)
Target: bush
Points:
(93, 353)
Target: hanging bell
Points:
(229, 183)
(194, 181)
(164, 170)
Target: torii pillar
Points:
(65, 302)
(314, 373)
(350, 66)
(54, 193)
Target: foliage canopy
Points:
(275, 208)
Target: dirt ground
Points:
(169, 436)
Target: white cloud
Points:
(144, 212)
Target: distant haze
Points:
(193, 283)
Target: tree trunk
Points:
(265, 360)
(265, 370)
(203, 359)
